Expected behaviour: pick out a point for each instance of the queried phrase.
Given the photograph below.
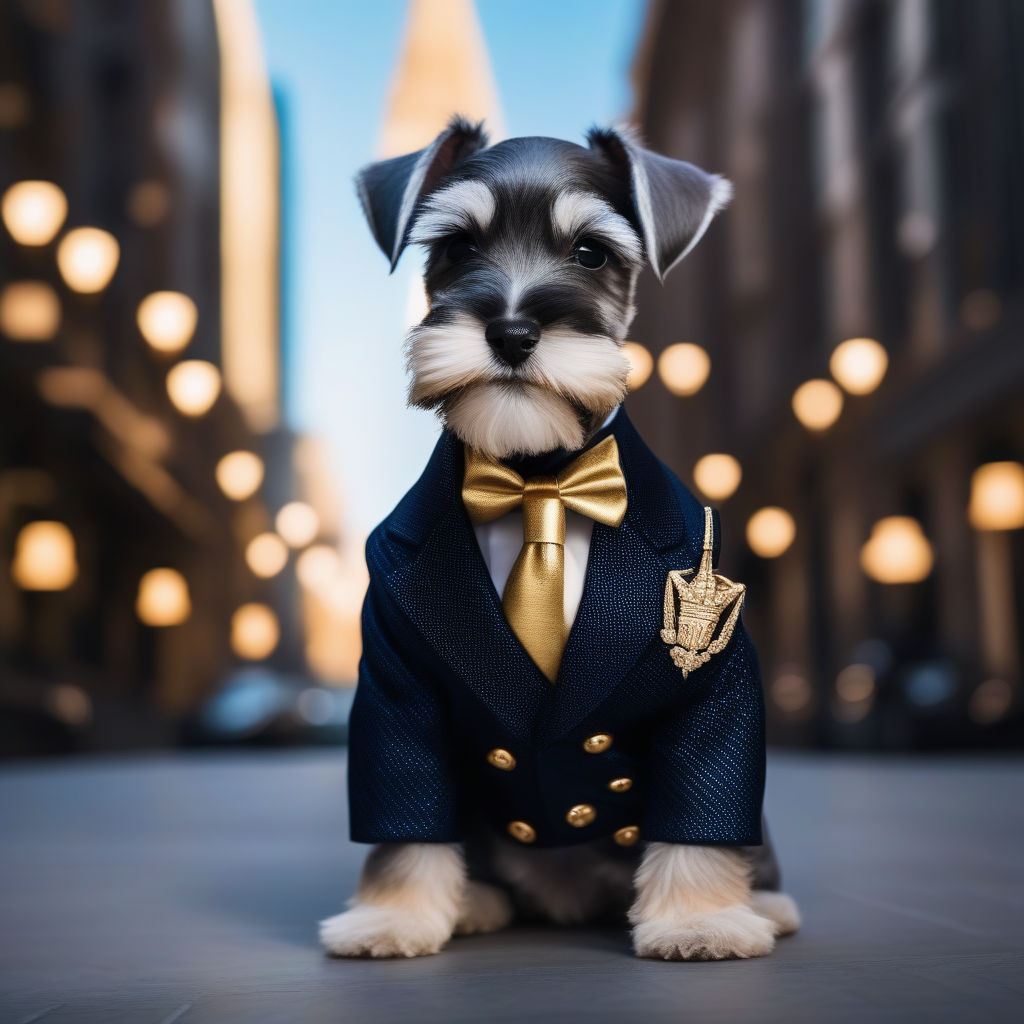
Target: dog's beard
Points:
(569, 382)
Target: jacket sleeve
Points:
(401, 779)
(706, 764)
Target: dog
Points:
(630, 759)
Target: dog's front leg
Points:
(693, 903)
(407, 903)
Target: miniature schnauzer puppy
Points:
(533, 249)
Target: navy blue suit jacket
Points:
(444, 680)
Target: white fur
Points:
(779, 908)
(575, 214)
(485, 908)
(409, 899)
(461, 206)
(500, 419)
(500, 409)
(443, 359)
(692, 903)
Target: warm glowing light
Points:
(29, 311)
(87, 259)
(859, 364)
(266, 554)
(684, 368)
(717, 476)
(997, 496)
(770, 531)
(33, 211)
(855, 683)
(990, 701)
(297, 523)
(193, 386)
(317, 566)
(897, 551)
(239, 474)
(641, 363)
(44, 557)
(148, 202)
(791, 691)
(817, 404)
(167, 320)
(163, 598)
(254, 631)
(250, 198)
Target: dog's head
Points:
(533, 250)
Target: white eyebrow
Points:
(461, 206)
(583, 213)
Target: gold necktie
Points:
(592, 485)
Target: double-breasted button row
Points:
(501, 759)
(598, 743)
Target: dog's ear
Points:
(673, 201)
(391, 189)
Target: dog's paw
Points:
(485, 908)
(779, 908)
(733, 933)
(384, 932)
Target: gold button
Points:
(521, 831)
(580, 815)
(620, 785)
(501, 759)
(626, 836)
(597, 744)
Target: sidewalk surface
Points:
(155, 890)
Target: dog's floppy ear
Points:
(673, 201)
(389, 190)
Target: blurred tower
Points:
(875, 148)
(133, 359)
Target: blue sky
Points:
(560, 65)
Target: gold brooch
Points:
(694, 607)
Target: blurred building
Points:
(877, 150)
(133, 359)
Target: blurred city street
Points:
(152, 890)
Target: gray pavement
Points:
(187, 888)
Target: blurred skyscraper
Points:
(143, 454)
(877, 149)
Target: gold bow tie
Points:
(534, 597)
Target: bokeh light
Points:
(29, 311)
(193, 386)
(167, 320)
(641, 363)
(317, 566)
(33, 211)
(297, 523)
(997, 497)
(817, 404)
(770, 531)
(717, 475)
(859, 364)
(44, 556)
(163, 598)
(87, 259)
(239, 474)
(266, 555)
(897, 551)
(255, 631)
(684, 368)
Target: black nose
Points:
(513, 339)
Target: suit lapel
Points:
(448, 595)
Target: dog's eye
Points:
(459, 248)
(591, 254)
